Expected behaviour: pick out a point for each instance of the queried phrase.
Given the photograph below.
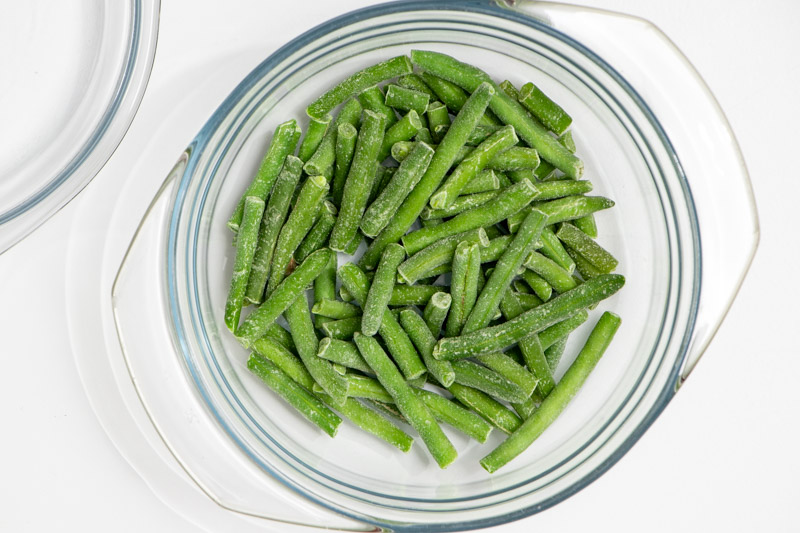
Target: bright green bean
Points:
(257, 322)
(322, 161)
(359, 178)
(277, 333)
(423, 135)
(343, 353)
(314, 134)
(463, 286)
(547, 111)
(305, 338)
(345, 146)
(538, 284)
(572, 207)
(406, 99)
(437, 117)
(367, 387)
(504, 271)
(508, 202)
(459, 205)
(559, 398)
(496, 338)
(553, 249)
(435, 312)
(454, 97)
(317, 236)
(380, 291)
(490, 253)
(440, 164)
(553, 353)
(525, 409)
(284, 141)
(507, 109)
(559, 330)
(490, 409)
(398, 343)
(414, 81)
(306, 403)
(297, 225)
(403, 130)
(373, 423)
(403, 295)
(587, 224)
(550, 190)
(485, 181)
(335, 309)
(373, 99)
(454, 415)
(278, 355)
(529, 301)
(439, 253)
(483, 379)
(397, 66)
(510, 370)
(584, 267)
(584, 245)
(325, 286)
(411, 406)
(246, 243)
(499, 141)
(342, 329)
(417, 330)
(557, 277)
(407, 176)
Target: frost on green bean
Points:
(380, 291)
(342, 329)
(463, 286)
(439, 253)
(246, 244)
(313, 137)
(584, 245)
(435, 312)
(343, 353)
(419, 333)
(372, 98)
(406, 99)
(317, 236)
(335, 309)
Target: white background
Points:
(722, 457)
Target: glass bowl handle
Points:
(700, 134)
(178, 414)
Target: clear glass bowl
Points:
(83, 66)
(652, 138)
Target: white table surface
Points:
(722, 457)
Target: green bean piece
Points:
(557, 277)
(345, 146)
(435, 312)
(454, 97)
(314, 134)
(423, 135)
(547, 111)
(297, 226)
(406, 99)
(431, 222)
(529, 301)
(368, 388)
(377, 180)
(520, 286)
(509, 89)
(490, 253)
(397, 66)
(515, 158)
(553, 249)
(463, 286)
(551, 190)
(490, 409)
(277, 333)
(414, 81)
(343, 353)
(568, 141)
(526, 409)
(411, 406)
(515, 221)
(538, 284)
(504, 272)
(398, 343)
(407, 176)
(555, 403)
(359, 178)
(499, 141)
(485, 181)
(306, 403)
(403, 130)
(284, 141)
(417, 330)
(437, 116)
(305, 338)
(278, 355)
(440, 164)
(485, 380)
(321, 163)
(317, 236)
(373, 423)
(584, 245)
(372, 99)
(553, 353)
(258, 321)
(480, 134)
(246, 242)
(584, 267)
(507, 109)
(510, 370)
(325, 287)
(456, 416)
(380, 291)
(403, 295)
(388, 409)
(572, 207)
(461, 204)
(560, 330)
(335, 309)
(508, 202)
(587, 224)
(523, 173)
(342, 329)
(496, 338)
(439, 253)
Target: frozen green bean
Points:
(454, 97)
(587, 224)
(373, 99)
(278, 355)
(559, 398)
(486, 380)
(463, 286)
(584, 245)
(278, 333)
(553, 249)
(550, 190)
(553, 353)
(297, 225)
(584, 267)
(314, 134)
(246, 243)
(343, 353)
(510, 370)
(317, 236)
(497, 338)
(407, 176)
(373, 423)
(485, 181)
(345, 146)
(557, 277)
(397, 66)
(257, 322)
(359, 178)
(538, 284)
(403, 130)
(367, 387)
(560, 330)
(414, 81)
(342, 329)
(435, 312)
(547, 111)
(335, 309)
(284, 141)
(380, 291)
(439, 253)
(403, 295)
(437, 116)
(411, 406)
(490, 409)
(572, 207)
(417, 330)
(459, 205)
(454, 415)
(406, 99)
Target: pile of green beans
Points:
(481, 259)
